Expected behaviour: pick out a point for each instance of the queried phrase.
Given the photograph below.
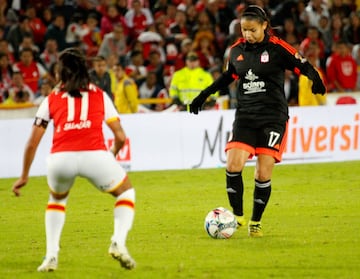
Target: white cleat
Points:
(121, 254)
(49, 264)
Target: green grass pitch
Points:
(311, 227)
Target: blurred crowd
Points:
(140, 49)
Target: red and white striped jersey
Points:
(78, 121)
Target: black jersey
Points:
(260, 70)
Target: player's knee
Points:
(126, 185)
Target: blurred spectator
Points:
(333, 34)
(340, 8)
(5, 47)
(352, 30)
(28, 42)
(151, 40)
(75, 30)
(289, 32)
(138, 19)
(16, 33)
(341, 69)
(31, 70)
(4, 7)
(5, 74)
(53, 74)
(179, 28)
(100, 76)
(57, 31)
(224, 15)
(313, 36)
(18, 91)
(37, 26)
(203, 24)
(122, 6)
(136, 68)
(151, 88)
(204, 45)
(60, 7)
(155, 65)
(306, 97)
(50, 54)
(46, 16)
(314, 10)
(114, 42)
(91, 42)
(45, 89)
(126, 94)
(180, 61)
(111, 18)
(187, 82)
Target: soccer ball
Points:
(220, 223)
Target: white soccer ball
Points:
(220, 223)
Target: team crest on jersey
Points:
(264, 57)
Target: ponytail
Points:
(73, 74)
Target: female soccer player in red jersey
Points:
(258, 61)
(78, 109)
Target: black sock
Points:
(235, 190)
(262, 194)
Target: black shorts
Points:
(269, 139)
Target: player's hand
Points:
(318, 86)
(18, 185)
(197, 103)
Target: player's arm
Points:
(32, 144)
(300, 65)
(113, 122)
(119, 135)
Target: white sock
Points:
(54, 222)
(123, 216)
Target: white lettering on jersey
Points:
(253, 86)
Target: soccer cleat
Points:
(49, 264)
(255, 229)
(241, 222)
(121, 254)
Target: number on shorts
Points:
(274, 136)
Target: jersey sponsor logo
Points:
(253, 86)
(264, 58)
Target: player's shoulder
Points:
(279, 42)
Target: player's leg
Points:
(101, 168)
(123, 220)
(262, 192)
(270, 146)
(236, 159)
(239, 148)
(60, 178)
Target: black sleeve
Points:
(221, 82)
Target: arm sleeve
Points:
(221, 82)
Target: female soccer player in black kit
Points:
(258, 61)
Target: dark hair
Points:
(254, 12)
(73, 71)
